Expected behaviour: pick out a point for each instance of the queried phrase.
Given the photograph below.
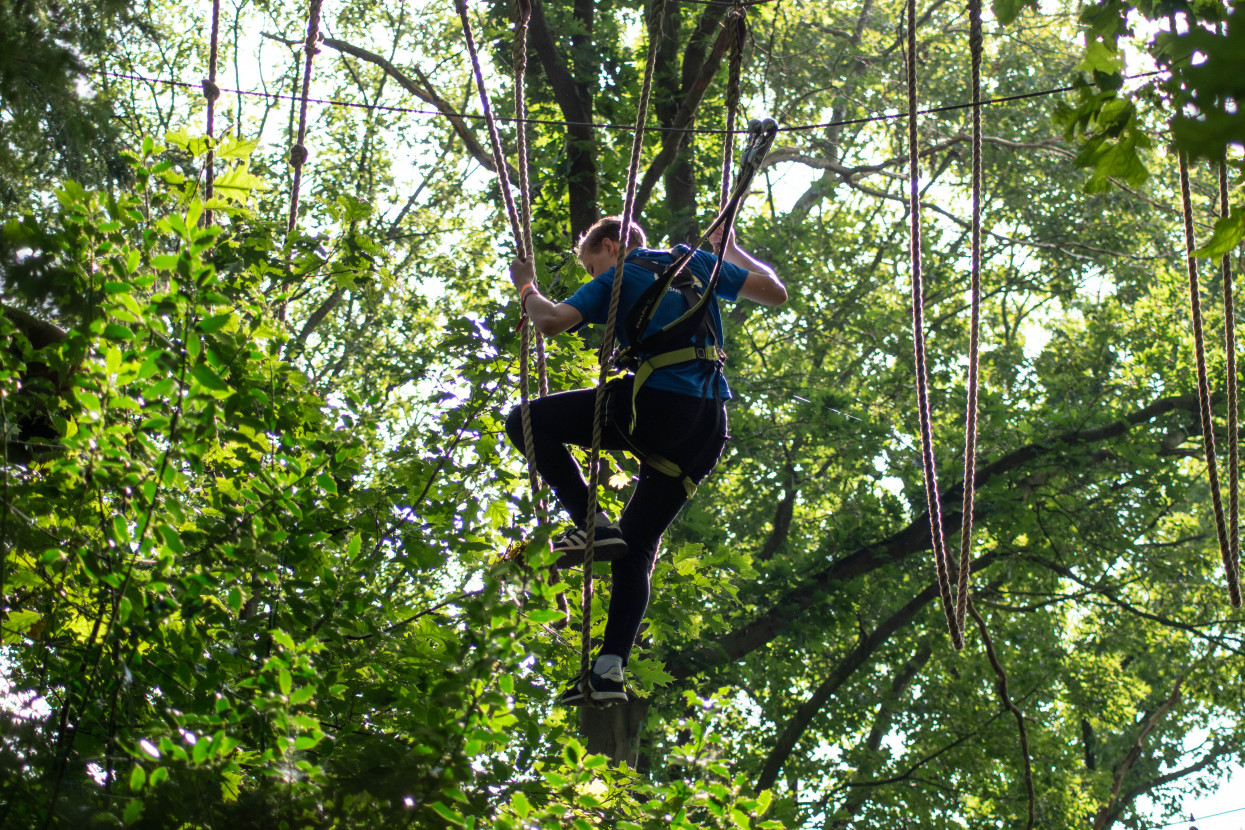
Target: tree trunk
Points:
(614, 731)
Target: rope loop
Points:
(1203, 388)
(928, 464)
(210, 91)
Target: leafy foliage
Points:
(256, 495)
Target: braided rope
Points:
(523, 15)
(1229, 342)
(499, 161)
(520, 218)
(737, 16)
(1203, 386)
(607, 343)
(298, 153)
(918, 342)
(211, 92)
(975, 40)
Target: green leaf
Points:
(302, 695)
(238, 183)
(284, 640)
(133, 811)
(236, 148)
(1228, 233)
(210, 380)
(214, 323)
(138, 778)
(1101, 57)
(449, 814)
(305, 742)
(284, 681)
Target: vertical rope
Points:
(211, 92)
(1203, 387)
(298, 153)
(1229, 341)
(607, 344)
(974, 329)
(520, 218)
(736, 17)
(499, 161)
(918, 343)
(523, 15)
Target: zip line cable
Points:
(551, 122)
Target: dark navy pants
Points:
(687, 430)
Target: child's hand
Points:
(716, 239)
(522, 272)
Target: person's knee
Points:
(514, 426)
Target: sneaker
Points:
(574, 694)
(609, 545)
(607, 689)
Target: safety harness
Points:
(691, 336)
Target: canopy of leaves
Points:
(257, 502)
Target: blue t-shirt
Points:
(593, 302)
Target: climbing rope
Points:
(607, 343)
(211, 92)
(736, 17)
(918, 343)
(974, 328)
(1229, 342)
(1203, 389)
(521, 217)
(298, 153)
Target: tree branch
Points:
(803, 717)
(424, 93)
(912, 539)
(1108, 814)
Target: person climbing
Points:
(675, 422)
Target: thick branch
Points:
(912, 539)
(424, 93)
(1108, 814)
(803, 717)
(672, 139)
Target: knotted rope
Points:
(607, 344)
(736, 17)
(1203, 389)
(298, 152)
(918, 342)
(211, 92)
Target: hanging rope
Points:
(1203, 388)
(918, 343)
(974, 328)
(1229, 341)
(607, 343)
(211, 92)
(298, 153)
(736, 17)
(520, 218)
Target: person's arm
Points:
(549, 317)
(762, 284)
